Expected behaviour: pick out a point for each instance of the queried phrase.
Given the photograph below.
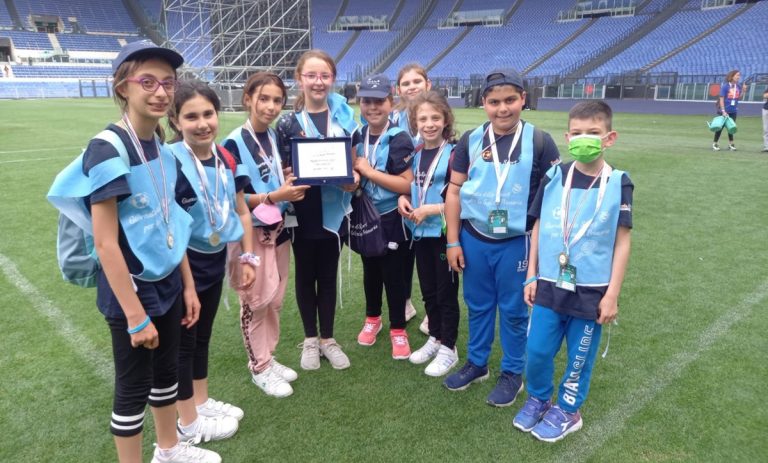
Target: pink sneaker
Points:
(371, 328)
(401, 350)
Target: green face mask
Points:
(585, 148)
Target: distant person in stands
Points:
(765, 121)
(412, 81)
(727, 104)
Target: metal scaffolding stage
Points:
(225, 41)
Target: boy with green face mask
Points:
(579, 252)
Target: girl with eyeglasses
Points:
(145, 288)
(321, 223)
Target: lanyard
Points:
(368, 155)
(430, 173)
(164, 204)
(220, 207)
(274, 162)
(501, 177)
(565, 204)
(308, 123)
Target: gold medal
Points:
(214, 239)
(487, 155)
(562, 259)
(169, 240)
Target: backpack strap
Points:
(228, 158)
(114, 139)
(538, 141)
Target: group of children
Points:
(169, 220)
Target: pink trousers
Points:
(260, 304)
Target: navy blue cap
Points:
(375, 86)
(146, 47)
(502, 77)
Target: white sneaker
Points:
(209, 428)
(184, 452)
(214, 408)
(410, 310)
(272, 383)
(444, 360)
(715, 147)
(310, 354)
(285, 372)
(332, 351)
(426, 352)
(424, 326)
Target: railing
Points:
(473, 18)
(345, 23)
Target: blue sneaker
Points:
(468, 374)
(507, 387)
(556, 424)
(531, 413)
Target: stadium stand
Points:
(370, 8)
(5, 18)
(28, 40)
(105, 16)
(84, 42)
(323, 15)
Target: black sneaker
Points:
(507, 387)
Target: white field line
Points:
(79, 343)
(12, 161)
(597, 433)
(40, 150)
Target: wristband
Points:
(247, 197)
(140, 326)
(453, 245)
(251, 259)
(267, 200)
(530, 280)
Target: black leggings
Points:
(316, 264)
(144, 375)
(388, 271)
(730, 136)
(193, 347)
(440, 289)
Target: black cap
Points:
(375, 86)
(146, 47)
(502, 77)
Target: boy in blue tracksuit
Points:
(579, 253)
(495, 173)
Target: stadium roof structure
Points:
(223, 41)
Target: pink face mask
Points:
(268, 214)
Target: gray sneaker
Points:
(331, 350)
(310, 354)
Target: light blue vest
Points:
(336, 203)
(400, 119)
(201, 226)
(250, 167)
(139, 215)
(432, 226)
(478, 193)
(592, 255)
(384, 200)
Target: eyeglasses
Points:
(150, 84)
(313, 76)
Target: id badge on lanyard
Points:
(498, 219)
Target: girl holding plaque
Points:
(319, 112)
(268, 193)
(214, 198)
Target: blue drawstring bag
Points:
(366, 236)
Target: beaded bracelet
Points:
(453, 245)
(530, 280)
(250, 258)
(140, 326)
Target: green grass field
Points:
(682, 380)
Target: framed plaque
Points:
(322, 161)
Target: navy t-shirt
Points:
(427, 156)
(544, 157)
(584, 302)
(158, 296)
(399, 160)
(245, 183)
(309, 211)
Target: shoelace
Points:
(532, 406)
(369, 327)
(400, 340)
(190, 452)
